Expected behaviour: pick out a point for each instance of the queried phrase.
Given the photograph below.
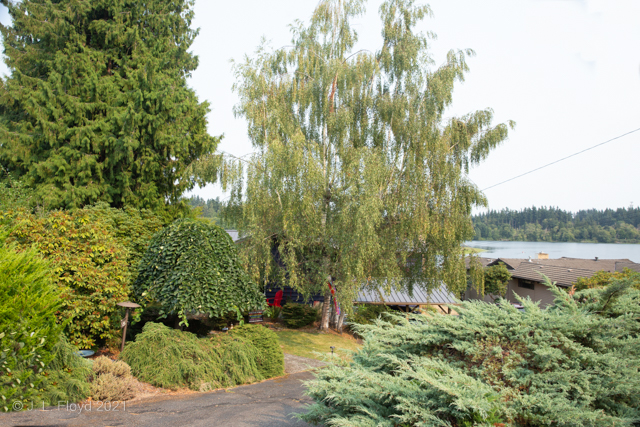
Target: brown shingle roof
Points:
(565, 271)
(483, 261)
(562, 275)
(620, 266)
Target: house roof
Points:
(565, 271)
(483, 261)
(420, 297)
(620, 266)
(563, 276)
(234, 235)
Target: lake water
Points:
(556, 250)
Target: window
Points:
(527, 284)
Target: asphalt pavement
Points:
(272, 403)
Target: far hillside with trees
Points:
(556, 225)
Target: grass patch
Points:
(308, 343)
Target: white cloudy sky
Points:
(567, 71)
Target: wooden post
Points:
(128, 305)
(124, 331)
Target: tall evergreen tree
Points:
(356, 174)
(97, 107)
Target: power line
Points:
(564, 158)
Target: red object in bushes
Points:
(276, 300)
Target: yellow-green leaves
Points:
(356, 169)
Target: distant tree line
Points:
(210, 209)
(556, 225)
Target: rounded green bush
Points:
(270, 355)
(298, 315)
(192, 268)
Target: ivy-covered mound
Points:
(575, 364)
(270, 357)
(192, 268)
(171, 358)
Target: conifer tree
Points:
(97, 107)
(357, 175)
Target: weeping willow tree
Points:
(357, 176)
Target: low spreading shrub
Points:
(270, 357)
(28, 330)
(104, 365)
(298, 315)
(111, 388)
(111, 381)
(170, 358)
(66, 377)
(573, 364)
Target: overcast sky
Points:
(566, 71)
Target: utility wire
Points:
(564, 158)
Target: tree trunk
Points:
(326, 310)
(333, 323)
(340, 321)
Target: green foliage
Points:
(366, 314)
(496, 279)
(298, 315)
(190, 268)
(111, 381)
(555, 225)
(272, 312)
(356, 165)
(132, 228)
(29, 301)
(602, 279)
(96, 106)
(90, 266)
(574, 364)
(210, 209)
(66, 376)
(170, 358)
(14, 194)
(270, 357)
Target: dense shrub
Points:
(14, 194)
(366, 314)
(574, 364)
(170, 358)
(602, 279)
(298, 315)
(90, 265)
(111, 381)
(270, 357)
(28, 331)
(66, 377)
(191, 268)
(132, 228)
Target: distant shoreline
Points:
(591, 242)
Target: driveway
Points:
(270, 403)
